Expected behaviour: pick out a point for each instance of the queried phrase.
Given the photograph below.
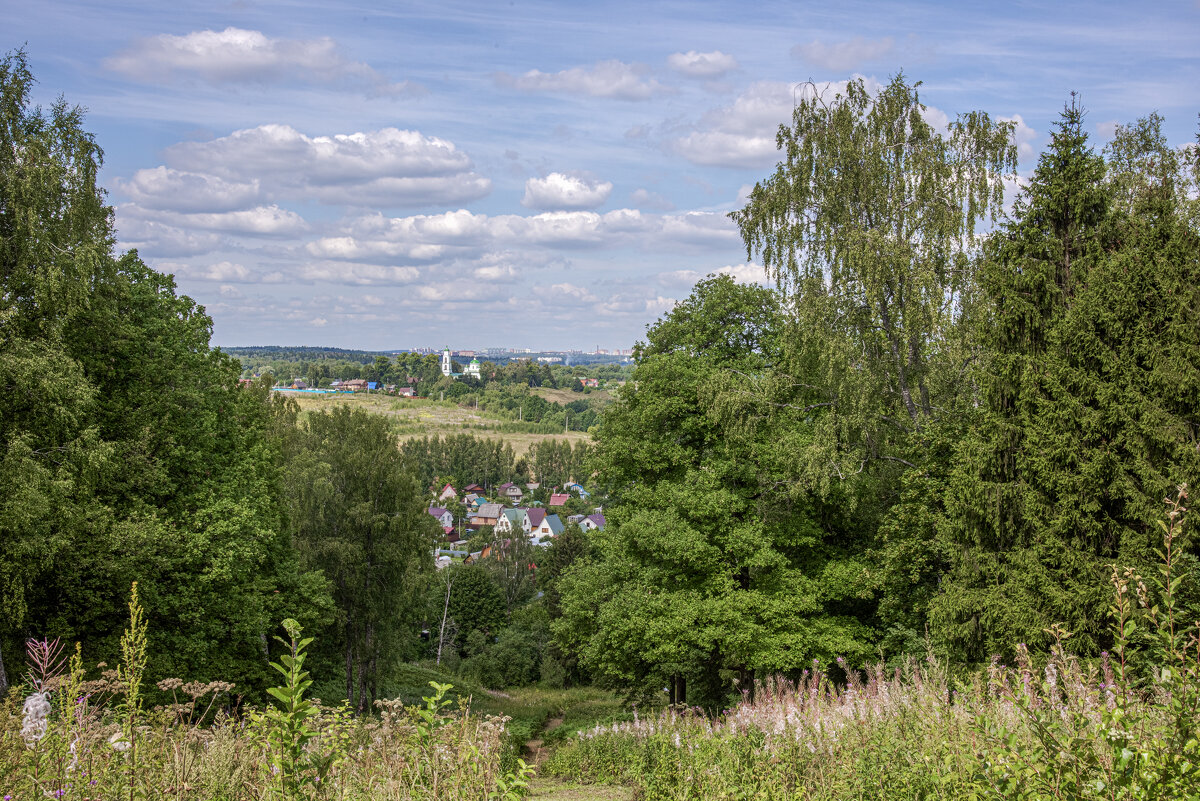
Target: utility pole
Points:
(445, 610)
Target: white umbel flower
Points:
(34, 714)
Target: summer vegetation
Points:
(894, 529)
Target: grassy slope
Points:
(565, 396)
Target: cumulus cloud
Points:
(708, 66)
(235, 55)
(565, 191)
(220, 271)
(843, 56)
(159, 240)
(178, 190)
(747, 273)
(742, 134)
(258, 221)
(388, 167)
(613, 79)
(358, 274)
(1023, 134)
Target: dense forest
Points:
(129, 452)
(939, 435)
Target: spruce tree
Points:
(1088, 397)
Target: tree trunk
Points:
(350, 664)
(445, 610)
(3, 676)
(898, 360)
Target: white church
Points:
(472, 369)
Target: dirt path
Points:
(556, 790)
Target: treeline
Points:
(321, 366)
(926, 438)
(517, 402)
(129, 453)
(462, 459)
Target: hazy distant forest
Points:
(943, 434)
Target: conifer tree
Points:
(1089, 391)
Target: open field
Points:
(416, 417)
(565, 396)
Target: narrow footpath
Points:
(555, 790)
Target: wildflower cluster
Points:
(92, 740)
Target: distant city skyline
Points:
(526, 172)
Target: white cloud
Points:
(177, 190)
(259, 221)
(159, 240)
(464, 234)
(747, 273)
(700, 227)
(378, 168)
(724, 149)
(235, 55)
(570, 292)
(221, 271)
(843, 56)
(336, 272)
(615, 79)
(742, 134)
(565, 191)
(1024, 136)
(709, 66)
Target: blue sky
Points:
(528, 174)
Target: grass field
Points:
(565, 396)
(416, 417)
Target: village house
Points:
(512, 492)
(593, 522)
(513, 519)
(559, 499)
(448, 493)
(488, 514)
(443, 516)
(355, 385)
(544, 525)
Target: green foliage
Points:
(867, 225)
(1090, 378)
(286, 728)
(357, 515)
(476, 602)
(127, 450)
(709, 570)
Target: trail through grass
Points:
(538, 749)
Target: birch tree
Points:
(868, 226)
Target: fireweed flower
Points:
(33, 723)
